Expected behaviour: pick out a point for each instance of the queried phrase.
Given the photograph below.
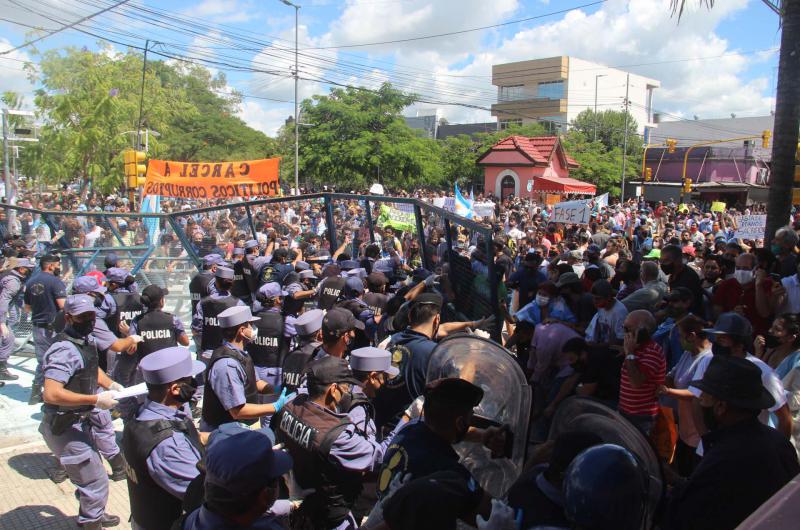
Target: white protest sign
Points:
(484, 209)
(751, 227)
(572, 212)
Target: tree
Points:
(610, 127)
(598, 165)
(787, 114)
(357, 137)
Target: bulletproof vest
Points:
(267, 274)
(294, 366)
(330, 292)
(213, 412)
(129, 306)
(376, 302)
(352, 401)
(158, 331)
(151, 506)
(83, 381)
(308, 433)
(270, 346)
(250, 273)
(212, 307)
(240, 288)
(198, 287)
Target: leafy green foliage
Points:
(599, 165)
(610, 126)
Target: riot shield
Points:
(506, 401)
(585, 414)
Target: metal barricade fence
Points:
(165, 249)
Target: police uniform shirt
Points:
(103, 336)
(415, 367)
(41, 293)
(172, 464)
(108, 306)
(177, 325)
(204, 519)
(10, 288)
(197, 319)
(228, 379)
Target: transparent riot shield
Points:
(506, 401)
(585, 414)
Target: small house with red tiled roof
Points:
(530, 167)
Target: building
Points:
(530, 167)
(734, 172)
(557, 89)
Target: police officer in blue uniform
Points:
(270, 345)
(241, 484)
(44, 296)
(12, 286)
(371, 367)
(162, 445)
(158, 329)
(71, 379)
(204, 321)
(202, 283)
(330, 455)
(128, 305)
(244, 276)
(232, 387)
(309, 339)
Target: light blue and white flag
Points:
(601, 201)
(463, 206)
(151, 204)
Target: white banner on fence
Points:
(484, 209)
(572, 212)
(751, 227)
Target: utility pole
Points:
(6, 170)
(625, 139)
(296, 102)
(598, 76)
(132, 191)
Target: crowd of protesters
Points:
(656, 311)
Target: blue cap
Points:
(304, 275)
(272, 290)
(117, 274)
(111, 261)
(372, 360)
(301, 266)
(234, 316)
(353, 286)
(731, 324)
(238, 251)
(168, 365)
(87, 284)
(212, 259)
(309, 322)
(78, 304)
(25, 262)
(226, 430)
(245, 463)
(226, 273)
(250, 243)
(348, 264)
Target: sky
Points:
(711, 63)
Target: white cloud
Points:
(267, 120)
(224, 11)
(15, 77)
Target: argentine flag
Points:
(463, 207)
(151, 204)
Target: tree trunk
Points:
(787, 122)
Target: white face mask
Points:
(743, 276)
(542, 300)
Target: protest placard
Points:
(751, 227)
(572, 212)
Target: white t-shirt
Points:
(792, 286)
(606, 324)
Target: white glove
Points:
(137, 338)
(414, 410)
(431, 280)
(116, 387)
(281, 507)
(105, 400)
(501, 518)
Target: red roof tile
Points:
(539, 149)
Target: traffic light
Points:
(135, 169)
(648, 174)
(671, 145)
(765, 139)
(687, 185)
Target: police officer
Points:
(241, 484)
(204, 322)
(12, 285)
(269, 347)
(202, 284)
(330, 290)
(128, 305)
(44, 296)
(71, 378)
(330, 455)
(309, 339)
(295, 298)
(338, 329)
(232, 387)
(162, 445)
(371, 367)
(158, 329)
(376, 298)
(308, 281)
(244, 278)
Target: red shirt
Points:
(643, 400)
(729, 293)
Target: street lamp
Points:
(598, 76)
(296, 112)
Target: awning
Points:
(554, 184)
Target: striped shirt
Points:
(643, 400)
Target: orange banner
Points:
(213, 180)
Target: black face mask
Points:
(719, 349)
(772, 341)
(57, 271)
(83, 329)
(668, 268)
(709, 419)
(186, 392)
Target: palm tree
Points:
(787, 112)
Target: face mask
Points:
(542, 300)
(668, 268)
(57, 271)
(186, 392)
(709, 419)
(776, 249)
(772, 341)
(743, 276)
(719, 349)
(83, 329)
